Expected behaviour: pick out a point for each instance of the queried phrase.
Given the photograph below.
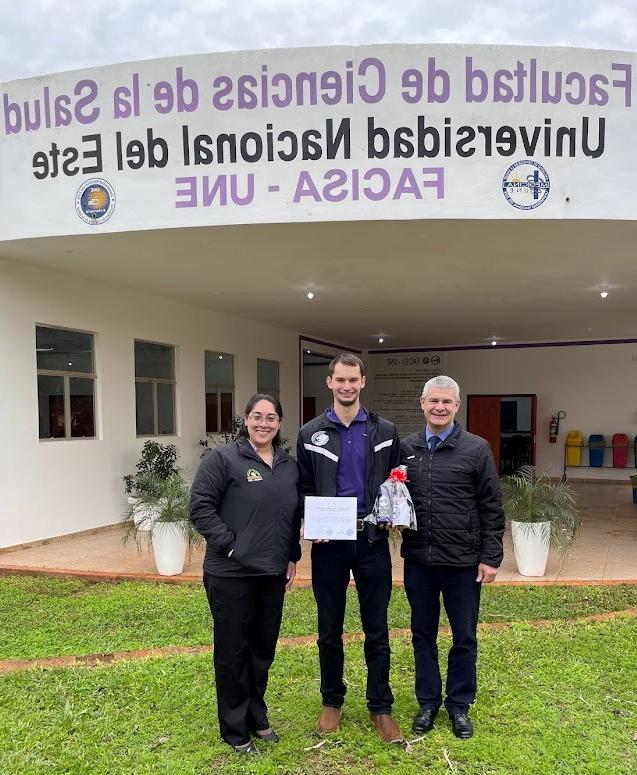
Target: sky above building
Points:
(45, 36)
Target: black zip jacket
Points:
(456, 495)
(319, 449)
(239, 504)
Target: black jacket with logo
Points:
(239, 504)
(456, 495)
(319, 449)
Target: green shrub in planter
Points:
(530, 497)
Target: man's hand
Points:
(290, 576)
(486, 574)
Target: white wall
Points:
(596, 385)
(56, 487)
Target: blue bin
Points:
(596, 444)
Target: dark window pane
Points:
(211, 413)
(226, 412)
(165, 408)
(219, 370)
(60, 350)
(154, 360)
(268, 377)
(144, 409)
(51, 407)
(82, 407)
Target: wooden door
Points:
(483, 419)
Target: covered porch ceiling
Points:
(417, 283)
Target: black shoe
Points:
(461, 725)
(424, 721)
(246, 748)
(271, 736)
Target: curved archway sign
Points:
(327, 134)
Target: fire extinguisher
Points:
(554, 426)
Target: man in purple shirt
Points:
(349, 451)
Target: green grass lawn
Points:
(554, 701)
(42, 617)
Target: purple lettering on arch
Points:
(189, 193)
(626, 83)
(364, 66)
(377, 196)
(84, 101)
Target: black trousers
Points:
(247, 617)
(461, 596)
(371, 566)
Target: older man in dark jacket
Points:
(456, 547)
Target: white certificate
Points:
(333, 518)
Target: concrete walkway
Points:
(605, 551)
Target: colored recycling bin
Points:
(596, 444)
(620, 450)
(574, 443)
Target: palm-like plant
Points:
(530, 497)
(171, 499)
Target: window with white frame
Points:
(219, 392)
(154, 388)
(66, 383)
(268, 377)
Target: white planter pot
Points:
(169, 547)
(531, 546)
(143, 516)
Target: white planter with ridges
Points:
(531, 546)
(170, 544)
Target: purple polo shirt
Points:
(350, 472)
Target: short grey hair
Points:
(442, 382)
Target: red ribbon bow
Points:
(398, 475)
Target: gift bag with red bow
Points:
(393, 507)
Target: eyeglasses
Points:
(269, 419)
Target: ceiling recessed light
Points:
(310, 295)
(603, 292)
(309, 352)
(221, 357)
(493, 343)
(380, 340)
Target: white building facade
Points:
(161, 218)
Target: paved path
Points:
(605, 551)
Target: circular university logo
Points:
(320, 438)
(95, 201)
(526, 184)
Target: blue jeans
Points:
(461, 596)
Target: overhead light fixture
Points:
(603, 291)
(493, 343)
(310, 295)
(380, 340)
(309, 352)
(221, 357)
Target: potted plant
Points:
(157, 463)
(172, 532)
(542, 514)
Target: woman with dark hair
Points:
(245, 503)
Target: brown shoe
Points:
(387, 728)
(329, 720)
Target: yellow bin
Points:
(574, 443)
